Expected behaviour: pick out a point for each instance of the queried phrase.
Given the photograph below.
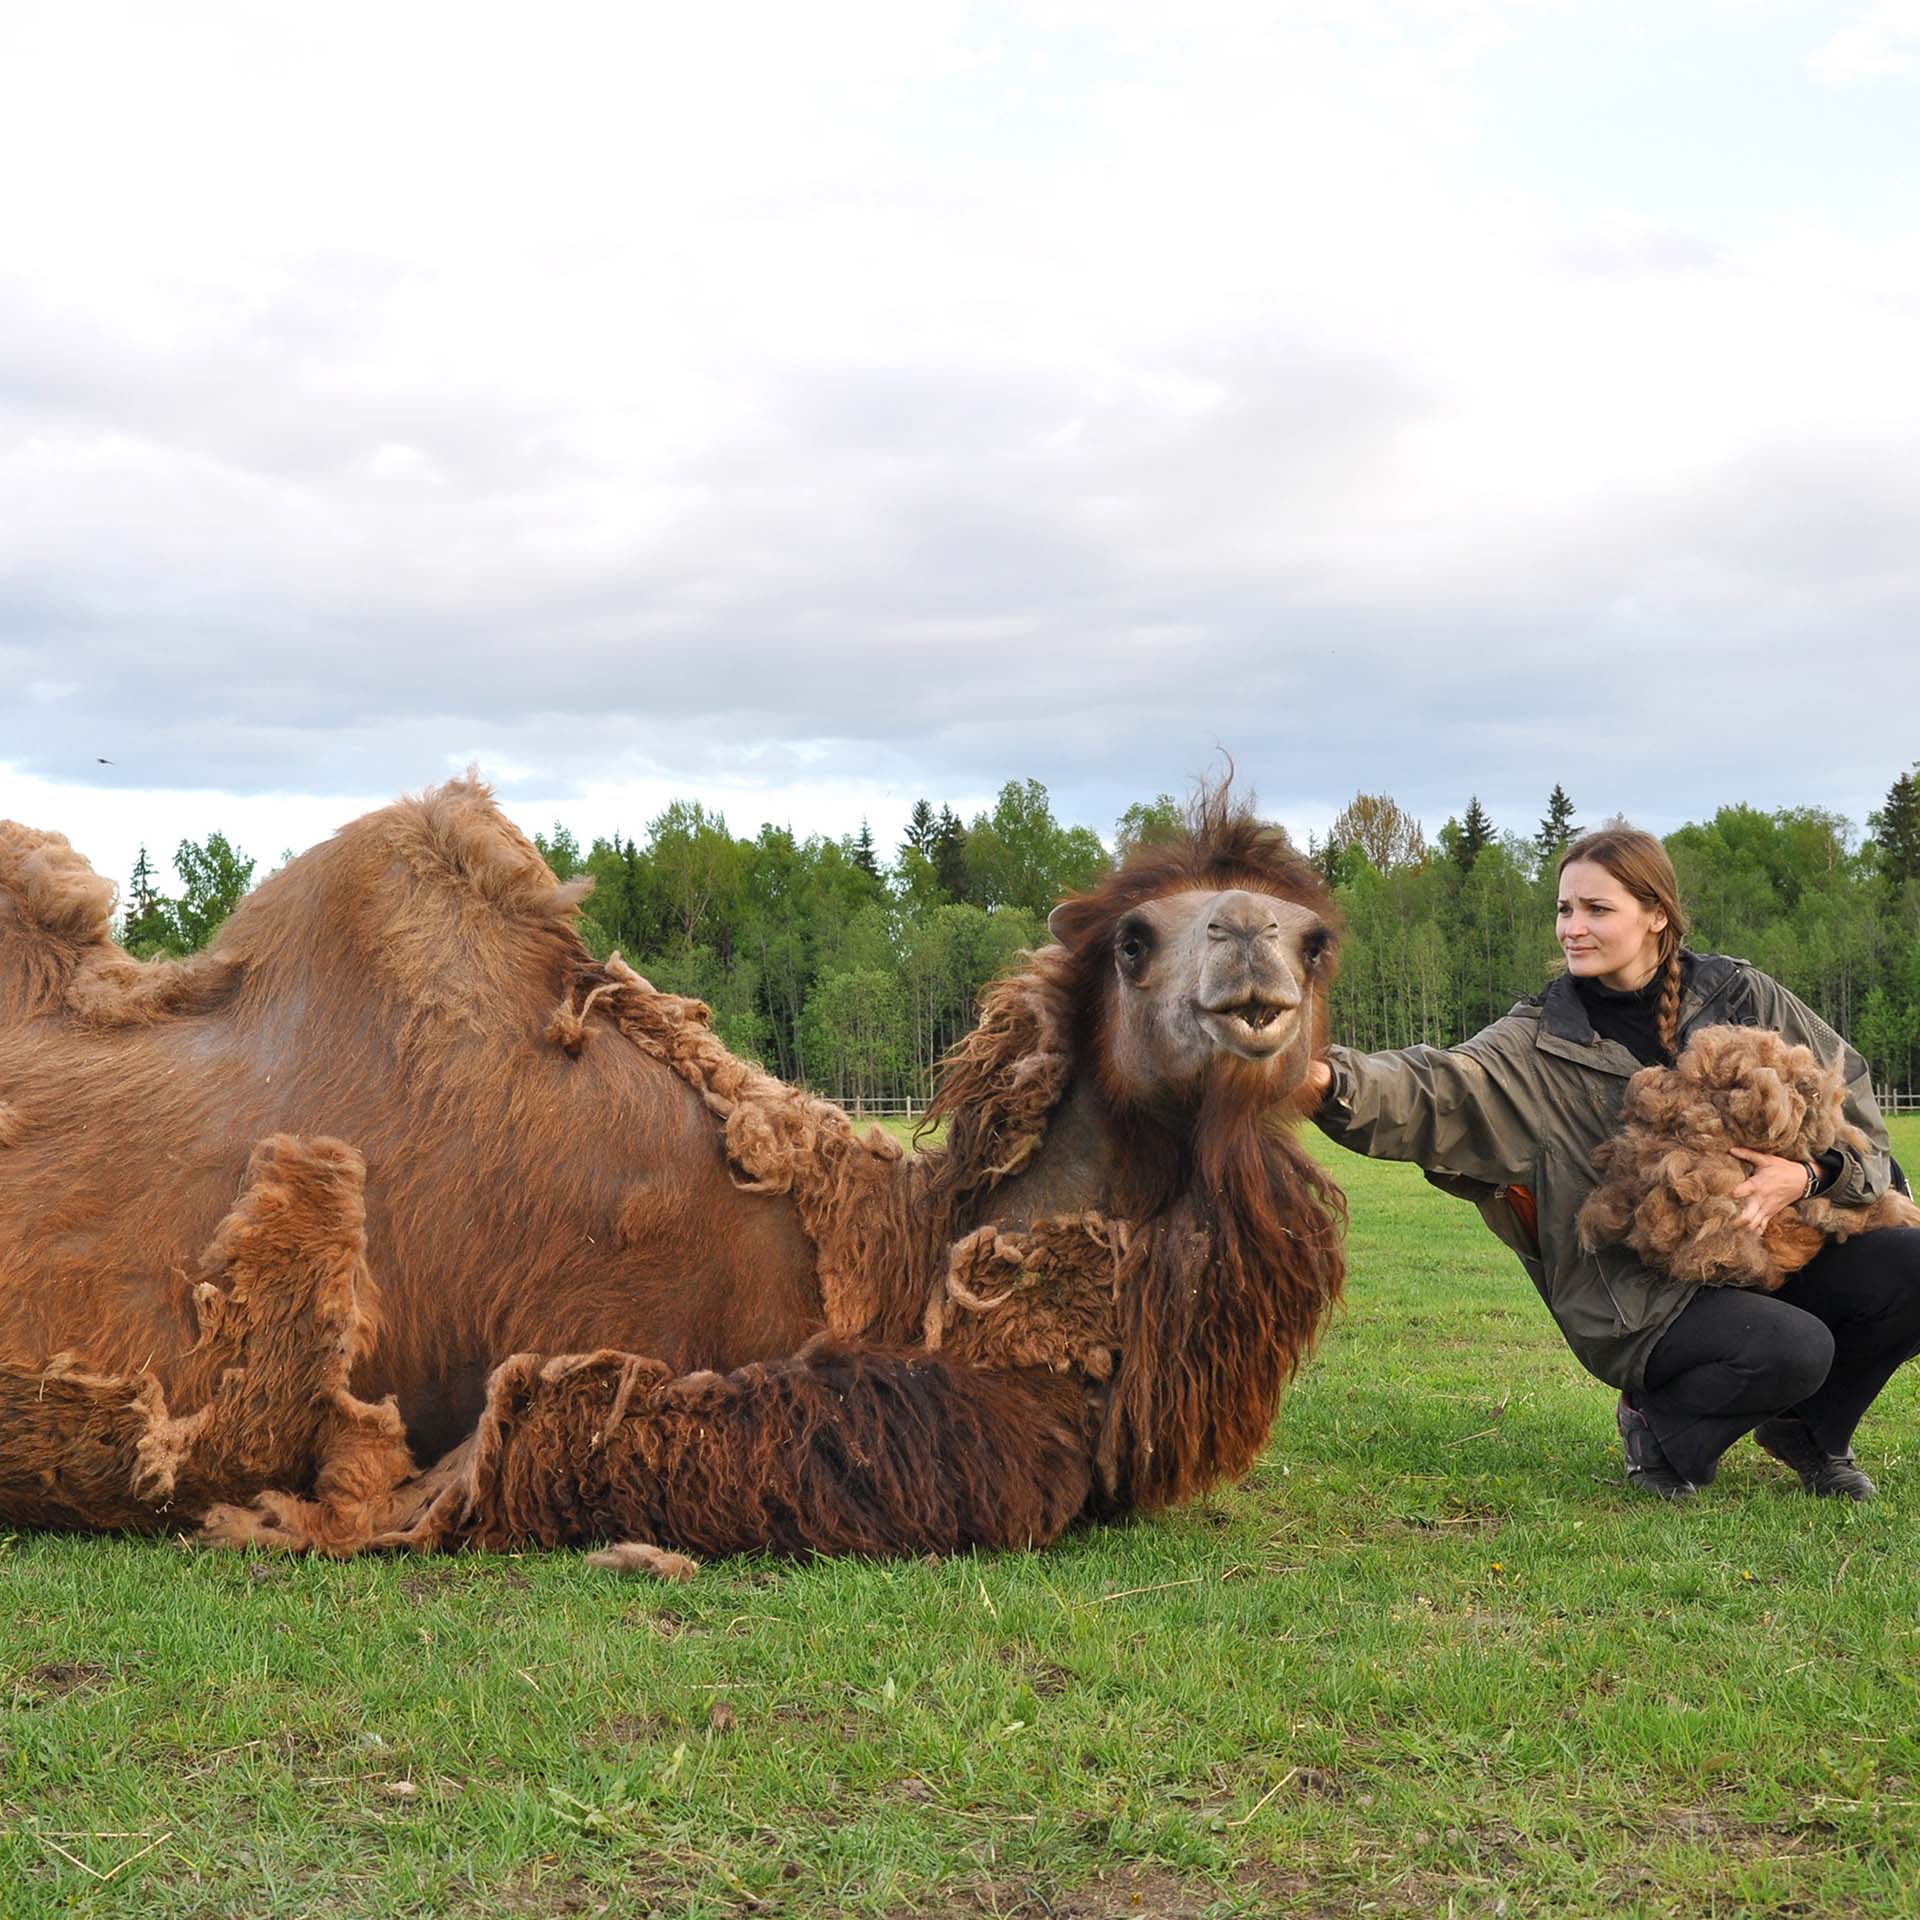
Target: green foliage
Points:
(1465, 840)
(150, 928)
(1556, 828)
(1376, 824)
(949, 854)
(1896, 829)
(215, 876)
(853, 1035)
(922, 827)
(1147, 822)
(1020, 856)
(561, 852)
(761, 929)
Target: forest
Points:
(853, 971)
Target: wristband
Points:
(1813, 1179)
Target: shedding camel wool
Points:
(397, 1219)
(1668, 1178)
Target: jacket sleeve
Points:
(1453, 1111)
(1866, 1176)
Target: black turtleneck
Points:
(1631, 1018)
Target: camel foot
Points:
(638, 1556)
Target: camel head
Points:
(1208, 959)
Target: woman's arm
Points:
(1457, 1110)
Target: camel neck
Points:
(1069, 1173)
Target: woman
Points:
(1510, 1119)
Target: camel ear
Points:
(1071, 921)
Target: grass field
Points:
(1432, 1658)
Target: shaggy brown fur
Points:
(773, 1331)
(283, 1306)
(1670, 1179)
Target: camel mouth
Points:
(1254, 1030)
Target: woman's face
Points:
(1606, 934)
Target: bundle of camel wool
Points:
(1668, 1177)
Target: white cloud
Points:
(1878, 46)
(814, 409)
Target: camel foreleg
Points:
(839, 1449)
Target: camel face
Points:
(1203, 979)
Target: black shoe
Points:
(1647, 1467)
(1836, 1475)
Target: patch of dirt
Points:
(667, 1626)
(550, 1893)
(1047, 1678)
(1319, 1783)
(427, 1578)
(56, 1679)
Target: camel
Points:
(395, 1219)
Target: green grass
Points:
(1432, 1656)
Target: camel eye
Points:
(1316, 946)
(1133, 945)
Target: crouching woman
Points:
(1510, 1119)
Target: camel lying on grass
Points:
(522, 1255)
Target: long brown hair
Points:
(1639, 862)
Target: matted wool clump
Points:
(1668, 1191)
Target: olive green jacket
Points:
(1526, 1101)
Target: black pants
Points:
(1821, 1349)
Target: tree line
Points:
(855, 973)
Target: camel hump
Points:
(54, 910)
(49, 890)
(438, 898)
(57, 950)
(454, 839)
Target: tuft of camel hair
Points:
(1668, 1182)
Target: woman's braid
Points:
(1669, 1016)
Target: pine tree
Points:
(150, 927)
(950, 854)
(864, 856)
(922, 828)
(1557, 828)
(1476, 834)
(1897, 829)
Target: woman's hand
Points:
(1773, 1186)
(1319, 1079)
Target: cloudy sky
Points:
(806, 408)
